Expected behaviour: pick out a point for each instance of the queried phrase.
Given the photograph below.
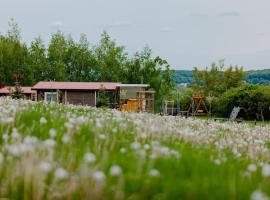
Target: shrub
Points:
(254, 98)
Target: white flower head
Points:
(123, 150)
(99, 176)
(115, 170)
(89, 157)
(66, 139)
(146, 146)
(52, 132)
(154, 173)
(259, 195)
(5, 137)
(15, 134)
(45, 166)
(49, 143)
(43, 120)
(61, 173)
(102, 137)
(135, 145)
(217, 162)
(266, 170)
(252, 168)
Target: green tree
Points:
(13, 56)
(217, 80)
(38, 60)
(57, 52)
(111, 59)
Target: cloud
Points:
(166, 29)
(120, 24)
(57, 24)
(198, 15)
(228, 14)
(264, 33)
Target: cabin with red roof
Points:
(76, 93)
(85, 93)
(27, 92)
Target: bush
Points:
(254, 98)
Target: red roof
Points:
(42, 85)
(9, 89)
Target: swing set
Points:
(197, 106)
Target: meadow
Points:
(73, 152)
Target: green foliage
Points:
(67, 60)
(254, 76)
(103, 98)
(183, 76)
(17, 93)
(13, 57)
(258, 76)
(216, 80)
(254, 98)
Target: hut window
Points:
(51, 97)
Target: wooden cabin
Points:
(27, 92)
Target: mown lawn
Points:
(68, 152)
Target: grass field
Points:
(67, 152)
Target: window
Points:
(51, 97)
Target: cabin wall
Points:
(80, 98)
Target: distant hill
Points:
(253, 76)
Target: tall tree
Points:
(111, 59)
(38, 60)
(217, 79)
(13, 56)
(57, 52)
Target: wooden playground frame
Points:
(197, 106)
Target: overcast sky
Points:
(187, 33)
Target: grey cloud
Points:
(198, 15)
(229, 14)
(166, 29)
(120, 24)
(57, 24)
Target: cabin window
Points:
(51, 97)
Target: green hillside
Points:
(253, 76)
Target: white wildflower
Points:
(102, 137)
(15, 134)
(146, 146)
(266, 170)
(66, 139)
(123, 150)
(252, 167)
(45, 166)
(115, 170)
(154, 173)
(61, 173)
(259, 195)
(89, 158)
(99, 176)
(68, 125)
(9, 120)
(49, 143)
(217, 162)
(30, 140)
(52, 132)
(43, 120)
(5, 137)
(135, 145)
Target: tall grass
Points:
(68, 152)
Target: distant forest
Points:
(254, 76)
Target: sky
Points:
(186, 33)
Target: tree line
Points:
(65, 59)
